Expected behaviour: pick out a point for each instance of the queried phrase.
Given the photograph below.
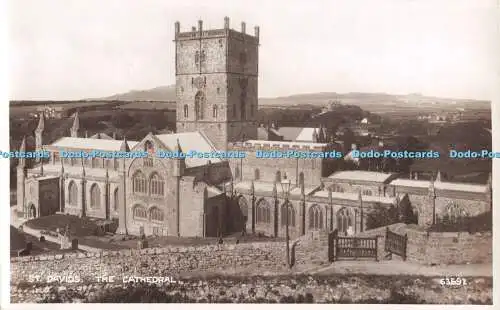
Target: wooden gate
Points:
(351, 247)
(396, 244)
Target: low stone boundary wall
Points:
(449, 247)
(168, 261)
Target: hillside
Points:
(372, 102)
(160, 93)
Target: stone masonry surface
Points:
(165, 262)
(302, 289)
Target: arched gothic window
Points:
(256, 173)
(72, 194)
(156, 215)
(95, 196)
(237, 173)
(315, 218)
(116, 200)
(139, 183)
(301, 178)
(139, 213)
(157, 185)
(186, 111)
(197, 58)
(344, 220)
(199, 104)
(337, 188)
(291, 215)
(95, 162)
(263, 212)
(367, 192)
(454, 214)
(214, 112)
(243, 106)
(278, 176)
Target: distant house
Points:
(296, 134)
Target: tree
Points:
(382, 216)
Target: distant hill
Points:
(369, 101)
(160, 93)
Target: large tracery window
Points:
(454, 214)
(291, 215)
(95, 197)
(199, 104)
(156, 215)
(139, 183)
(263, 211)
(315, 218)
(344, 220)
(256, 174)
(157, 185)
(72, 194)
(139, 213)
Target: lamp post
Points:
(285, 187)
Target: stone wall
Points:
(311, 248)
(449, 247)
(157, 262)
(446, 248)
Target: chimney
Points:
(243, 27)
(177, 27)
(226, 22)
(257, 31)
(200, 25)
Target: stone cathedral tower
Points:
(217, 82)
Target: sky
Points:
(75, 49)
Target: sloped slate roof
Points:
(190, 141)
(356, 175)
(91, 144)
(462, 187)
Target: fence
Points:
(396, 244)
(351, 247)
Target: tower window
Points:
(243, 58)
(234, 110)
(197, 58)
(215, 111)
(218, 90)
(199, 104)
(186, 111)
(243, 107)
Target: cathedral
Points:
(217, 101)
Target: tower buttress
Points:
(39, 134)
(21, 178)
(76, 126)
(122, 211)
